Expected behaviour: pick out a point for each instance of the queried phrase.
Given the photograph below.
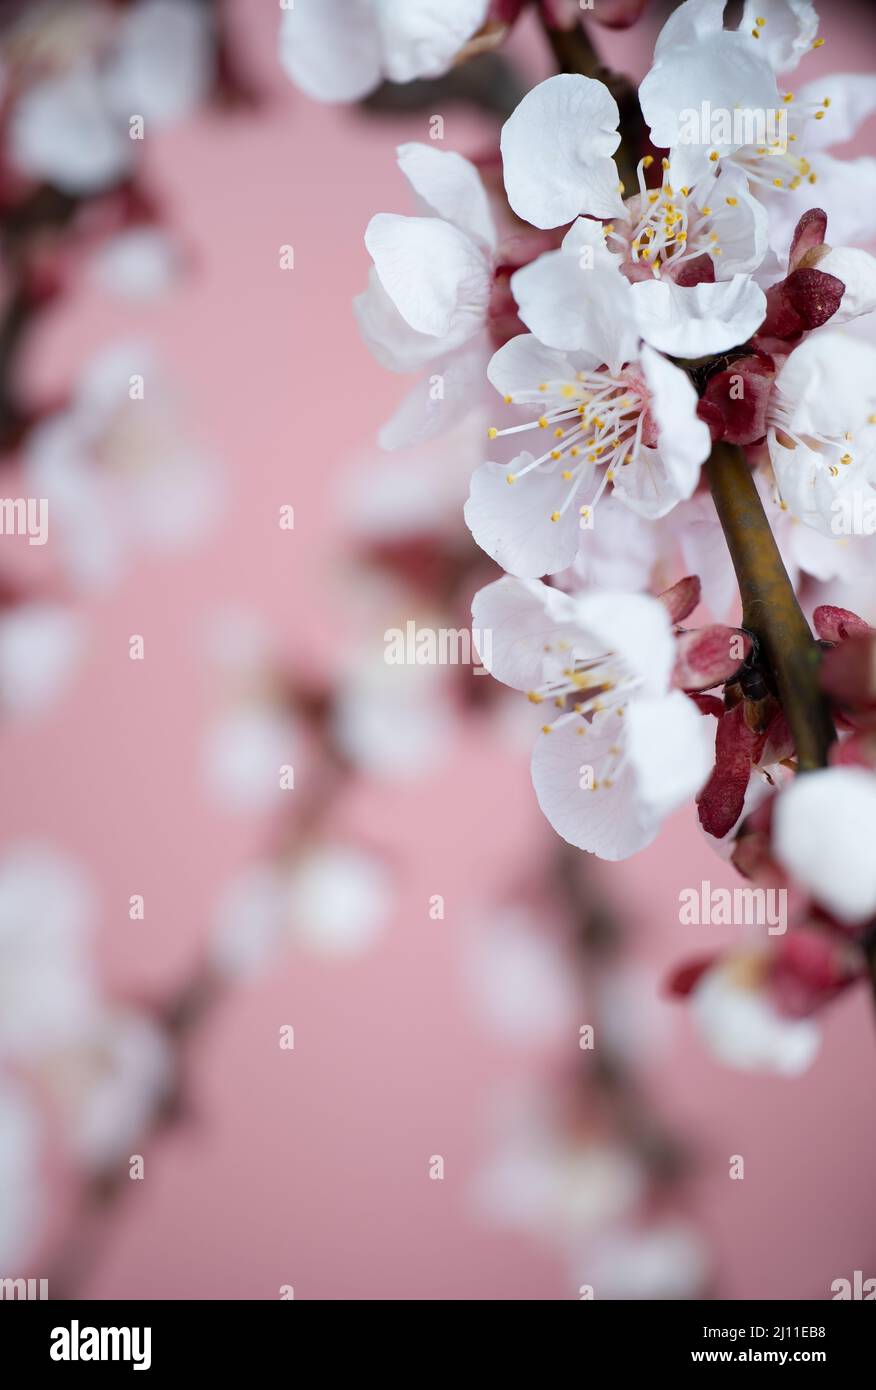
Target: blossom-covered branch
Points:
(666, 340)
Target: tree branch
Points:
(769, 605)
(770, 610)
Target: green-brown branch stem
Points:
(769, 605)
(770, 610)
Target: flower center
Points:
(667, 228)
(577, 683)
(595, 419)
(576, 690)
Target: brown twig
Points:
(769, 605)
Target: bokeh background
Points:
(310, 1167)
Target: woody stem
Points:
(769, 605)
(770, 610)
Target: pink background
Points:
(310, 1167)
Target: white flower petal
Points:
(689, 23)
(635, 628)
(671, 748)
(421, 38)
(512, 521)
(852, 97)
(40, 644)
(523, 363)
(845, 188)
(392, 341)
(742, 227)
(331, 48)
(639, 768)
(244, 752)
(436, 276)
(47, 993)
(63, 131)
(805, 484)
(139, 263)
(857, 270)
(580, 307)
(124, 1073)
(586, 239)
(441, 400)
(556, 150)
(163, 63)
(788, 34)
(693, 320)
(338, 900)
(452, 187)
(620, 552)
(720, 68)
(605, 820)
(743, 1030)
(522, 618)
(669, 1260)
(824, 829)
(830, 381)
(657, 479)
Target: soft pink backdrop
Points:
(310, 1167)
